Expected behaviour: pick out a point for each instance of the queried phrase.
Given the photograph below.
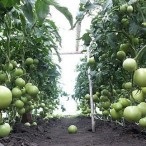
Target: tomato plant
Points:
(116, 40)
(29, 77)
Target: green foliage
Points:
(42, 10)
(81, 87)
(114, 28)
(28, 39)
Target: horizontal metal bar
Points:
(69, 53)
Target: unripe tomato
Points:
(27, 124)
(142, 122)
(117, 106)
(121, 55)
(32, 90)
(130, 9)
(95, 98)
(5, 97)
(29, 61)
(20, 82)
(116, 115)
(128, 85)
(34, 124)
(16, 92)
(125, 47)
(18, 72)
(142, 107)
(125, 22)
(139, 77)
(132, 114)
(125, 102)
(87, 97)
(123, 8)
(135, 41)
(19, 104)
(21, 111)
(91, 61)
(143, 90)
(144, 24)
(106, 104)
(5, 130)
(137, 95)
(35, 61)
(130, 64)
(105, 112)
(14, 63)
(3, 77)
(72, 129)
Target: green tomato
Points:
(5, 130)
(21, 111)
(32, 90)
(105, 92)
(106, 104)
(72, 129)
(123, 8)
(125, 102)
(34, 124)
(132, 114)
(116, 115)
(128, 85)
(95, 98)
(27, 124)
(16, 92)
(35, 61)
(91, 61)
(125, 22)
(124, 47)
(105, 112)
(143, 90)
(20, 82)
(142, 122)
(144, 24)
(29, 61)
(135, 41)
(121, 55)
(142, 107)
(103, 98)
(18, 72)
(117, 106)
(139, 77)
(137, 95)
(19, 104)
(87, 97)
(3, 77)
(24, 99)
(130, 64)
(130, 9)
(5, 97)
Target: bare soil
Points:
(54, 132)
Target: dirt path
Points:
(54, 133)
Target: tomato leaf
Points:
(133, 28)
(28, 11)
(42, 10)
(108, 5)
(62, 10)
(9, 3)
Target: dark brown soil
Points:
(54, 133)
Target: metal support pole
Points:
(91, 93)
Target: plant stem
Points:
(140, 53)
(8, 39)
(1, 119)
